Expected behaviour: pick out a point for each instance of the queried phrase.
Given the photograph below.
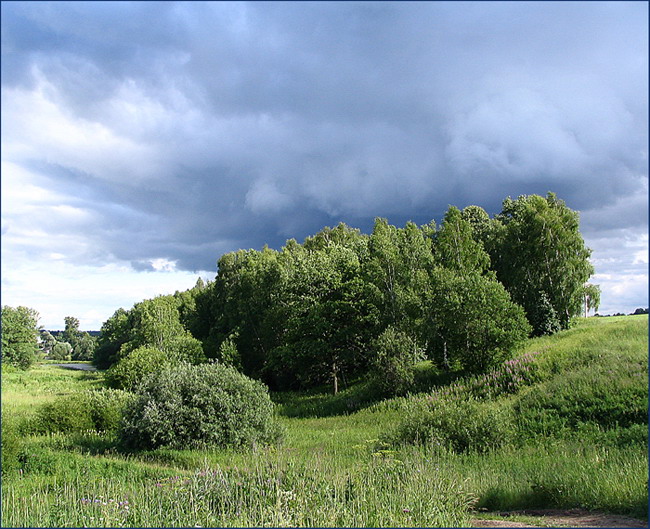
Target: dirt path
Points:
(559, 518)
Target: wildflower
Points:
(406, 510)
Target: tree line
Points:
(342, 304)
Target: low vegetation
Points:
(403, 378)
(526, 434)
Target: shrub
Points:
(65, 414)
(201, 405)
(99, 410)
(128, 372)
(393, 368)
(106, 407)
(459, 426)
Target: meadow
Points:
(563, 424)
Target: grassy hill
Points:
(562, 425)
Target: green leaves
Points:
(540, 255)
(19, 336)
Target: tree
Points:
(454, 246)
(591, 295)
(471, 321)
(480, 222)
(114, 333)
(329, 321)
(398, 268)
(155, 322)
(538, 252)
(71, 333)
(47, 341)
(19, 336)
(85, 347)
(61, 351)
(393, 365)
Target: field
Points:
(570, 431)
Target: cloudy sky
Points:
(141, 141)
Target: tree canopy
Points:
(344, 304)
(20, 334)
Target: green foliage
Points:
(393, 367)
(65, 414)
(538, 249)
(327, 317)
(459, 426)
(591, 295)
(155, 322)
(136, 366)
(398, 269)
(228, 354)
(47, 341)
(106, 407)
(542, 315)
(99, 410)
(114, 333)
(202, 405)
(19, 336)
(329, 472)
(61, 351)
(184, 348)
(471, 321)
(454, 245)
(85, 347)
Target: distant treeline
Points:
(635, 313)
(59, 334)
(344, 303)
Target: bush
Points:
(106, 407)
(393, 368)
(202, 405)
(460, 426)
(99, 410)
(185, 348)
(128, 372)
(65, 414)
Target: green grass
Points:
(332, 468)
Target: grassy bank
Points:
(575, 435)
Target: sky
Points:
(143, 140)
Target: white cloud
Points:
(91, 293)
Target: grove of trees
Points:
(344, 304)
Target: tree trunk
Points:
(335, 377)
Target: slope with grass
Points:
(562, 426)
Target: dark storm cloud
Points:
(241, 124)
